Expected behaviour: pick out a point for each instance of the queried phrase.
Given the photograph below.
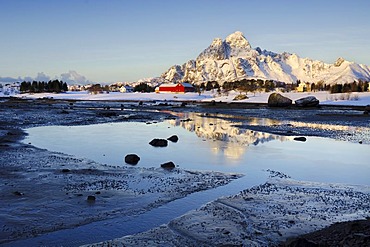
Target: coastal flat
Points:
(265, 215)
(46, 191)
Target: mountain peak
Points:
(216, 42)
(237, 40)
(234, 59)
(339, 62)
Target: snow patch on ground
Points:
(358, 99)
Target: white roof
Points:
(186, 84)
(168, 85)
(175, 84)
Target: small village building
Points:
(175, 88)
(304, 87)
(126, 89)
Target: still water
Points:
(207, 143)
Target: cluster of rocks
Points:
(133, 159)
(278, 100)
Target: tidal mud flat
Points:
(38, 184)
(44, 191)
(267, 215)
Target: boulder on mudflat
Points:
(240, 97)
(168, 165)
(159, 142)
(132, 159)
(310, 101)
(91, 198)
(367, 110)
(278, 100)
(173, 138)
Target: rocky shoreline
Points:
(32, 178)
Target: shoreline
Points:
(278, 212)
(19, 114)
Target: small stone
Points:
(168, 165)
(17, 193)
(173, 138)
(159, 143)
(91, 198)
(132, 159)
(300, 139)
(240, 97)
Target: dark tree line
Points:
(359, 86)
(244, 85)
(251, 85)
(52, 86)
(143, 87)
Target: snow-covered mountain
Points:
(234, 59)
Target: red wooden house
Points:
(175, 88)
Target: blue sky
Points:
(117, 40)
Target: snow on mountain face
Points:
(234, 59)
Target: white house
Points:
(11, 88)
(126, 89)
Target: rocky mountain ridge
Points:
(234, 59)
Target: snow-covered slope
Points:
(234, 59)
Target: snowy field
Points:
(357, 99)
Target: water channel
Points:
(205, 143)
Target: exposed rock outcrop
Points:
(310, 101)
(278, 100)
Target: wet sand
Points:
(265, 215)
(45, 191)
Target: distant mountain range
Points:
(234, 59)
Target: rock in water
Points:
(278, 100)
(168, 165)
(159, 143)
(300, 139)
(132, 159)
(173, 138)
(309, 101)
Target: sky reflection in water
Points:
(207, 143)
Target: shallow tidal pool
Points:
(207, 143)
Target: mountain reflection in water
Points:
(228, 139)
